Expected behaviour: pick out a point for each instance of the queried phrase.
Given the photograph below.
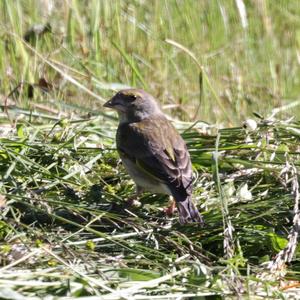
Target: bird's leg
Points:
(169, 211)
(133, 200)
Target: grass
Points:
(106, 45)
(65, 224)
(65, 229)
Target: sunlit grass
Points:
(103, 45)
(65, 227)
(64, 205)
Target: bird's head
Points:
(133, 105)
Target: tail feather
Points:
(188, 212)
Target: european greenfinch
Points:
(153, 152)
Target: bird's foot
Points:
(169, 211)
(133, 202)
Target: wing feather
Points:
(158, 149)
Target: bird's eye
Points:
(131, 98)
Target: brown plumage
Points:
(153, 152)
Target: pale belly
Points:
(143, 180)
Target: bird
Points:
(153, 152)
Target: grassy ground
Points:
(65, 229)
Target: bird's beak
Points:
(109, 103)
(115, 103)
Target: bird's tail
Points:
(188, 212)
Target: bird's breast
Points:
(142, 179)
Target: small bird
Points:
(153, 152)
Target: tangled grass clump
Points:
(65, 219)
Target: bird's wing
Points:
(158, 150)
